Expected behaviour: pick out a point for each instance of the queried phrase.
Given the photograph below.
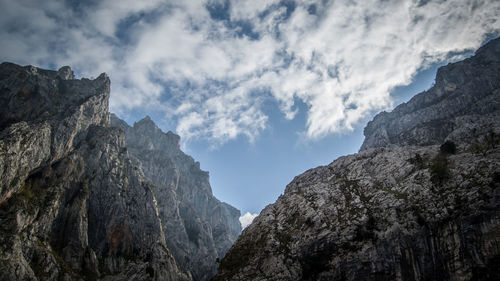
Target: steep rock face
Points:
(378, 216)
(198, 227)
(465, 95)
(73, 205)
(44, 113)
(412, 210)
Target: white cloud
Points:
(223, 116)
(341, 58)
(375, 46)
(247, 219)
(248, 10)
(108, 14)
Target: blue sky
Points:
(258, 90)
(251, 176)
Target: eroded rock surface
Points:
(465, 95)
(75, 204)
(420, 201)
(199, 228)
(44, 114)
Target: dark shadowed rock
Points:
(43, 116)
(198, 228)
(405, 207)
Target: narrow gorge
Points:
(86, 196)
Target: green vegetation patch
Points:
(440, 172)
(485, 143)
(284, 238)
(448, 147)
(32, 194)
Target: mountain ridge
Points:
(75, 204)
(410, 122)
(159, 156)
(419, 201)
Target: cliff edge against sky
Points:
(420, 201)
(79, 199)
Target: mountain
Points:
(462, 104)
(76, 203)
(198, 228)
(420, 201)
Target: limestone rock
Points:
(43, 116)
(465, 95)
(404, 207)
(73, 205)
(199, 229)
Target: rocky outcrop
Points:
(75, 204)
(420, 201)
(465, 95)
(199, 229)
(44, 114)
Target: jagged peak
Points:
(146, 122)
(69, 138)
(159, 138)
(26, 98)
(102, 76)
(66, 73)
(427, 118)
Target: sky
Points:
(261, 90)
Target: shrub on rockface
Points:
(439, 169)
(485, 143)
(491, 140)
(418, 161)
(448, 147)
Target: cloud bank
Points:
(211, 66)
(247, 219)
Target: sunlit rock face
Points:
(44, 114)
(420, 201)
(75, 204)
(199, 229)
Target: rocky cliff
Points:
(465, 95)
(75, 204)
(420, 201)
(199, 228)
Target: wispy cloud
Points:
(211, 65)
(247, 219)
